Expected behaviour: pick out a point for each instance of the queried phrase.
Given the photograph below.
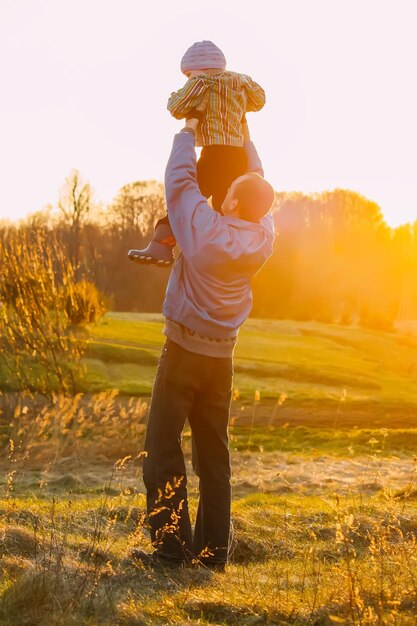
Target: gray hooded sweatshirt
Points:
(209, 289)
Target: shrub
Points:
(40, 351)
(84, 303)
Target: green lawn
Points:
(306, 361)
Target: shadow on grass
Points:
(66, 585)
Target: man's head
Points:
(249, 197)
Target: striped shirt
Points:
(229, 96)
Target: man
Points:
(208, 298)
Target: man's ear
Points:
(235, 202)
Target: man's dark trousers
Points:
(197, 387)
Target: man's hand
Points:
(192, 123)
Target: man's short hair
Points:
(255, 197)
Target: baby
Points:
(219, 99)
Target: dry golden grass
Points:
(318, 539)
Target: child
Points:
(219, 99)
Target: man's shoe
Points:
(154, 560)
(159, 251)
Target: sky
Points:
(84, 84)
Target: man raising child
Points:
(208, 298)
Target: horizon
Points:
(337, 115)
(52, 210)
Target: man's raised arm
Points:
(183, 195)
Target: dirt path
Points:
(267, 472)
(287, 473)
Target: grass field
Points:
(305, 360)
(323, 437)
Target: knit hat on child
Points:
(203, 55)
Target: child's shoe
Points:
(160, 249)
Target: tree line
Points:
(335, 259)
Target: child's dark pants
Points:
(217, 168)
(198, 388)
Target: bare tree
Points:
(137, 207)
(75, 203)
